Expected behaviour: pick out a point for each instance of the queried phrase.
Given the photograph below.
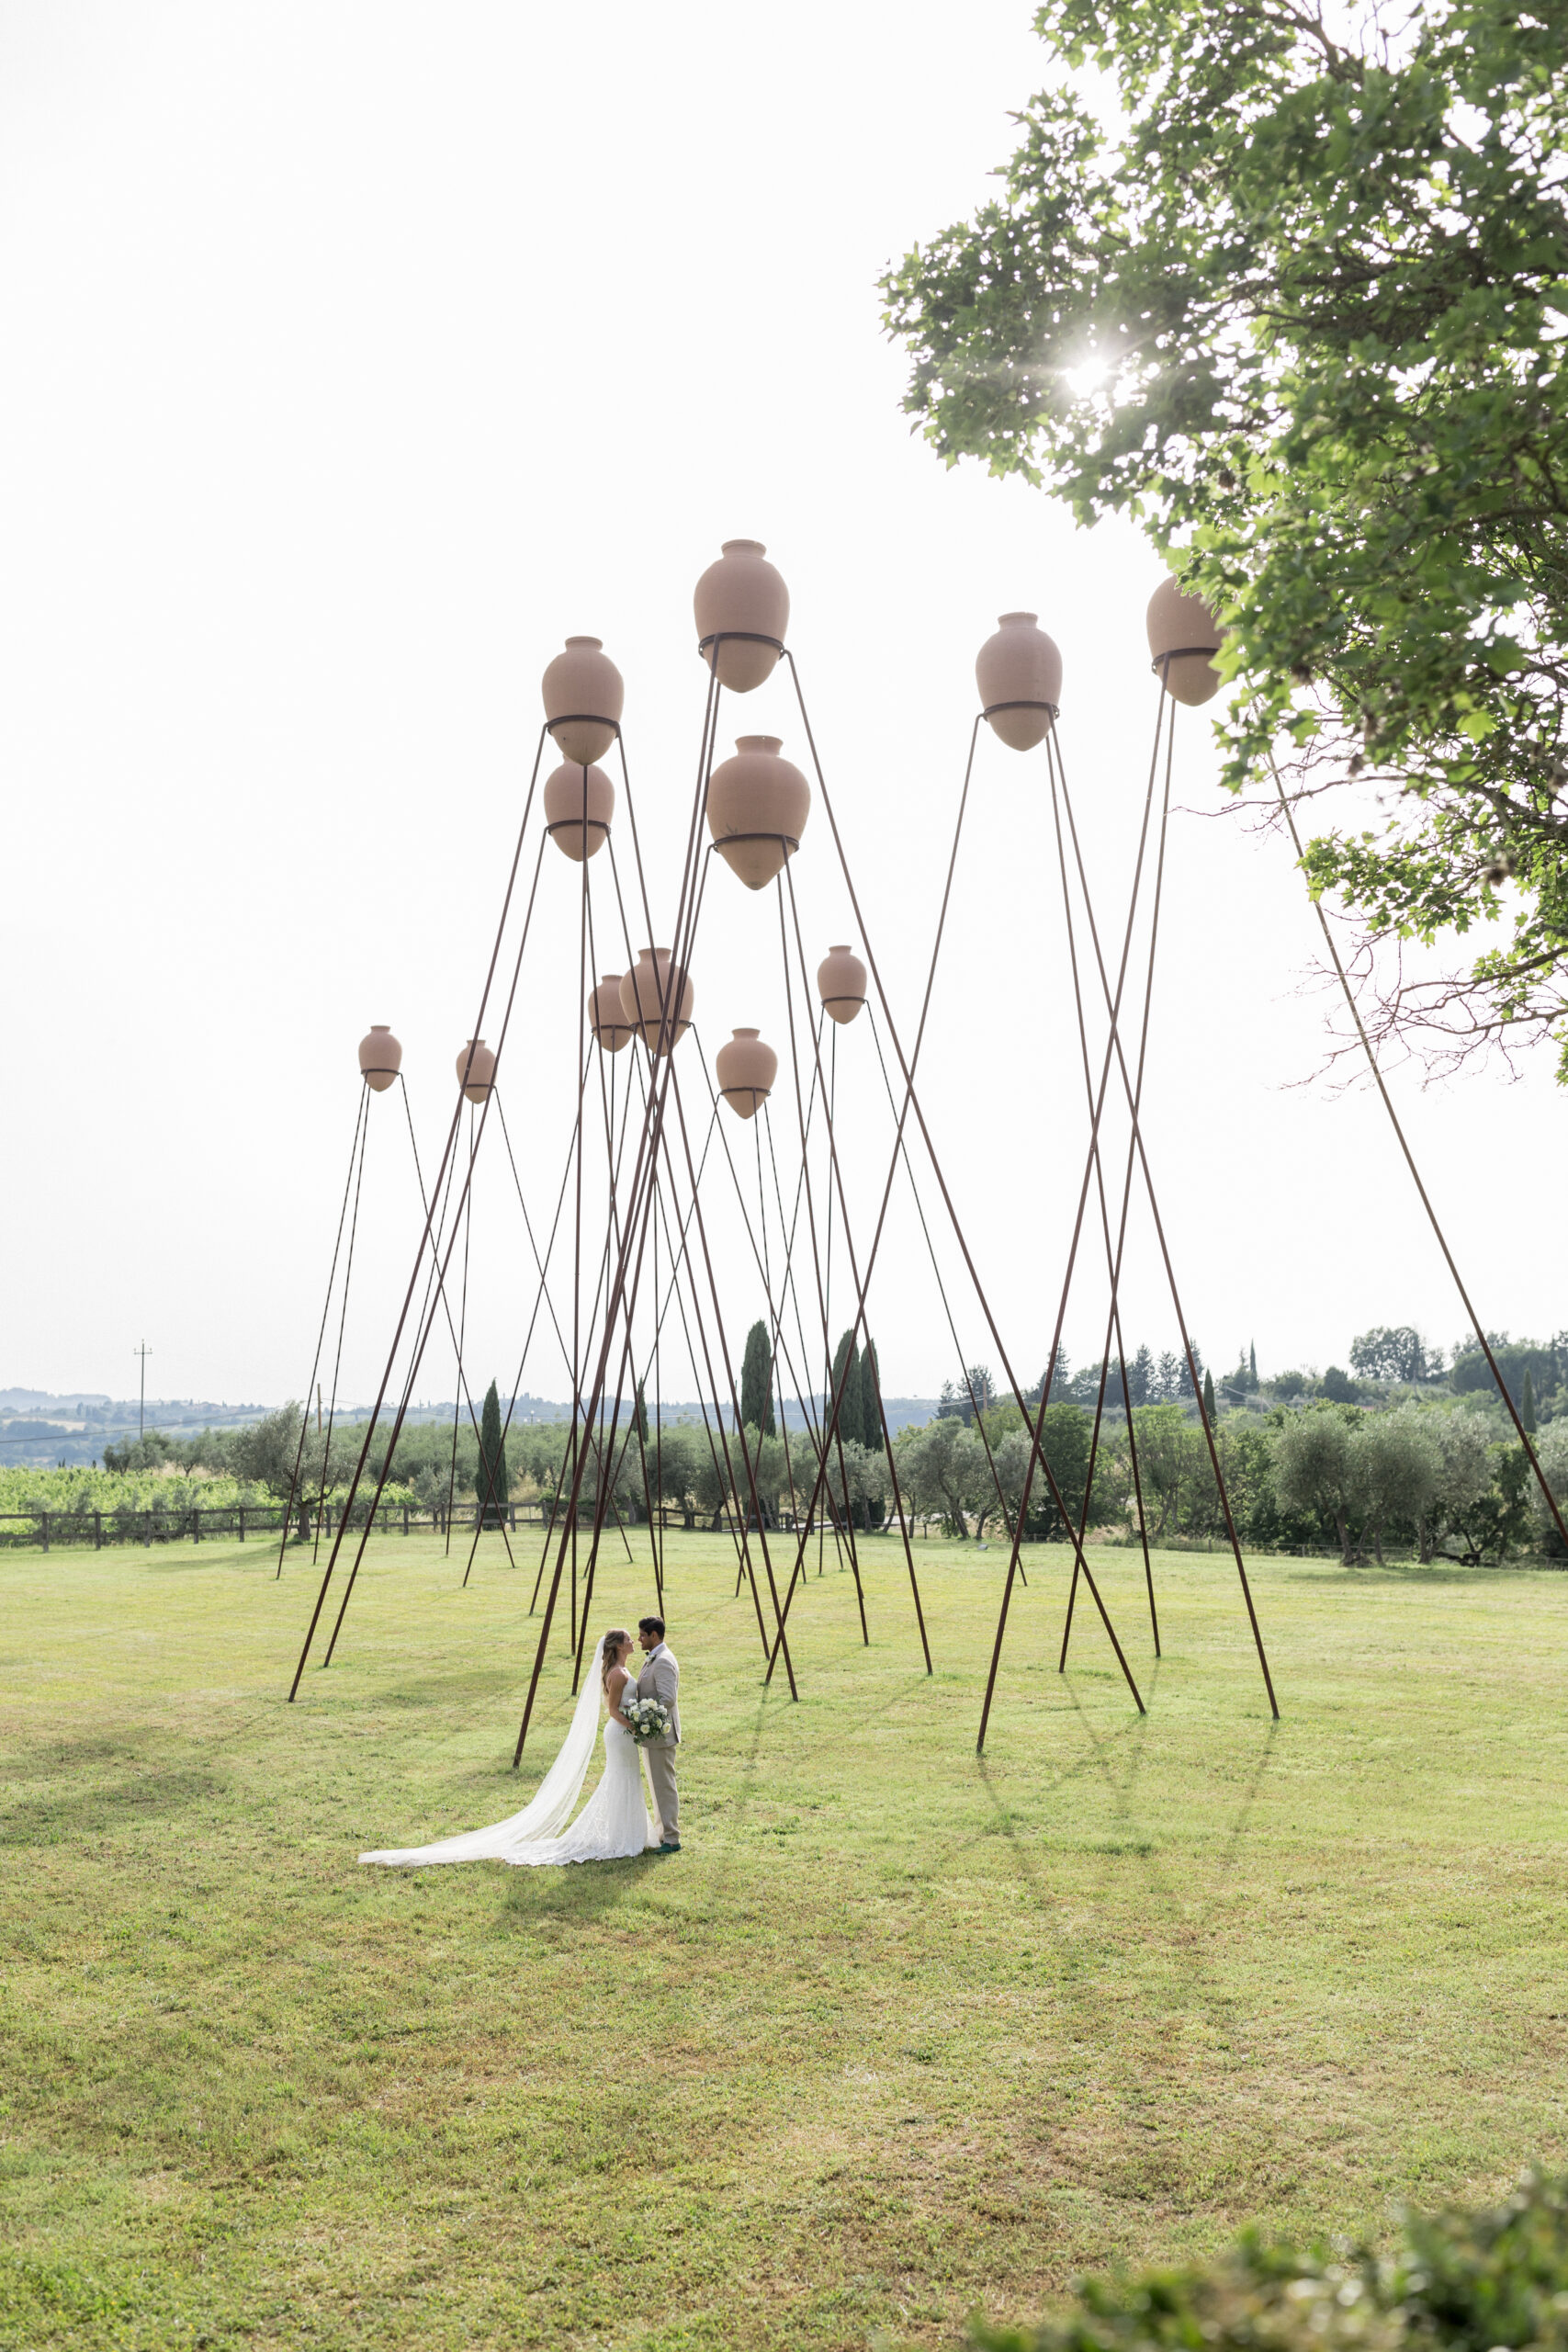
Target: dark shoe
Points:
(671, 1845)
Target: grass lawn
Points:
(898, 2035)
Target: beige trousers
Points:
(661, 1756)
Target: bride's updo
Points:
(613, 1642)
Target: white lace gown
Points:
(616, 1823)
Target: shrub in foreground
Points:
(1455, 2281)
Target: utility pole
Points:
(144, 1352)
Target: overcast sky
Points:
(359, 354)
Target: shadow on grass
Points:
(77, 1815)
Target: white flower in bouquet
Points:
(646, 1718)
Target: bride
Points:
(613, 1823)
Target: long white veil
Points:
(547, 1812)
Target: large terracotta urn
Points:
(475, 1069)
(746, 1069)
(657, 999)
(1019, 672)
(583, 696)
(380, 1057)
(1182, 635)
(758, 805)
(606, 1015)
(841, 983)
(743, 602)
(566, 793)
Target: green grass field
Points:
(898, 2035)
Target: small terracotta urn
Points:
(747, 1069)
(841, 983)
(380, 1057)
(758, 805)
(657, 999)
(583, 694)
(1019, 672)
(475, 1069)
(606, 1015)
(1182, 635)
(567, 793)
(742, 601)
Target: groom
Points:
(660, 1678)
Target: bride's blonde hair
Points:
(613, 1641)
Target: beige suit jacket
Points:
(660, 1678)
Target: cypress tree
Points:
(849, 1422)
(1209, 1398)
(490, 1482)
(1252, 1360)
(1527, 1404)
(870, 1422)
(641, 1416)
(757, 1381)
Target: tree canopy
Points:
(1300, 310)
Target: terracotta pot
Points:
(380, 1057)
(653, 1000)
(1019, 672)
(841, 983)
(746, 1069)
(606, 1016)
(758, 805)
(583, 695)
(475, 1069)
(563, 810)
(1183, 625)
(741, 592)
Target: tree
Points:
(757, 1381)
(1313, 1467)
(942, 1469)
(639, 1415)
(1299, 312)
(1464, 1476)
(1184, 1372)
(1209, 1406)
(850, 1423)
(1169, 1373)
(1141, 1378)
(1527, 1405)
(1471, 1374)
(1252, 1363)
(1395, 1472)
(1337, 1386)
(1396, 1352)
(873, 1427)
(490, 1482)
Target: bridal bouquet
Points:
(648, 1718)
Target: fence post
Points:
(98, 1531)
(242, 1522)
(405, 1518)
(196, 1526)
(44, 1516)
(147, 1539)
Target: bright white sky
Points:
(355, 356)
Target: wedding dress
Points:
(615, 1822)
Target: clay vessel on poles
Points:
(564, 797)
(380, 1057)
(657, 998)
(1182, 634)
(475, 1069)
(606, 1015)
(758, 805)
(746, 1070)
(1019, 672)
(742, 599)
(583, 695)
(841, 983)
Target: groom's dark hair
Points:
(651, 1626)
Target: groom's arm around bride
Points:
(660, 1678)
